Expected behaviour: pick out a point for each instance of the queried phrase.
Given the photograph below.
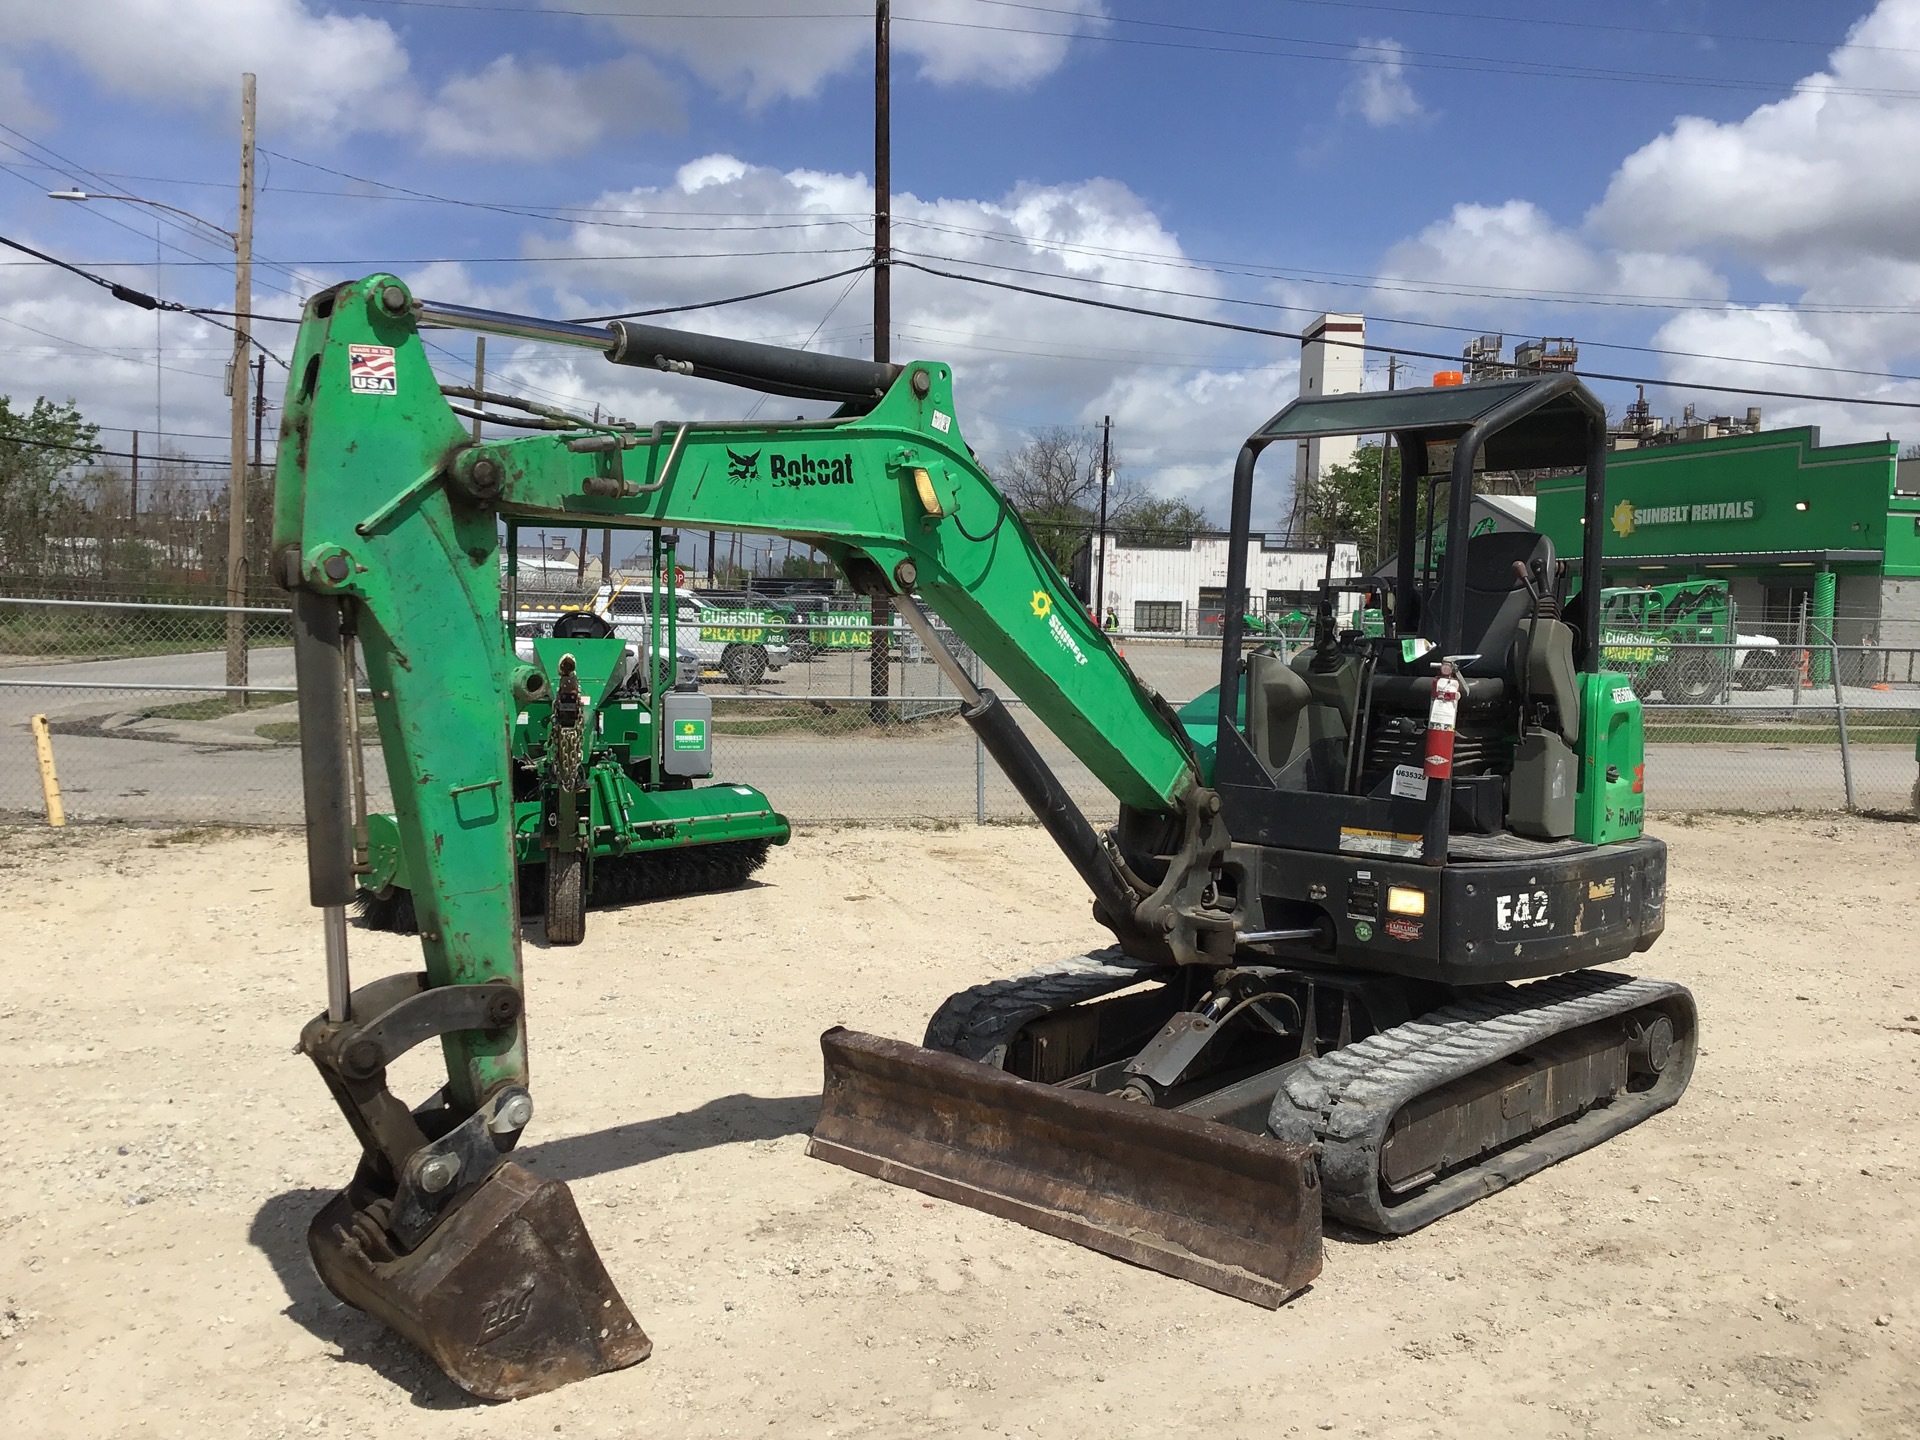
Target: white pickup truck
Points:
(737, 643)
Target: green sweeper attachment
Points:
(606, 749)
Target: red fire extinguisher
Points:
(1441, 715)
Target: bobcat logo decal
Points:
(742, 468)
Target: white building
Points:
(1181, 588)
(1326, 369)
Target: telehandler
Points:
(1357, 899)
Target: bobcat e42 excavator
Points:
(1356, 899)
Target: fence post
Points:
(979, 760)
(1798, 666)
(49, 782)
(1840, 715)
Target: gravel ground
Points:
(1742, 1265)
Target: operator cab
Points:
(1346, 718)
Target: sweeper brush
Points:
(617, 880)
(606, 749)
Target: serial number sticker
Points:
(1410, 782)
(1355, 841)
(1623, 695)
(942, 421)
(370, 370)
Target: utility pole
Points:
(237, 388)
(1386, 457)
(133, 485)
(1106, 469)
(879, 660)
(479, 379)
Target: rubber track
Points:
(617, 880)
(1344, 1101)
(979, 1023)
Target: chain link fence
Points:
(145, 729)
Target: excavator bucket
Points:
(1235, 1212)
(507, 1295)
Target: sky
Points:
(1700, 192)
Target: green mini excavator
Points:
(1359, 896)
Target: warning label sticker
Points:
(370, 370)
(1379, 842)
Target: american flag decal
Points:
(370, 370)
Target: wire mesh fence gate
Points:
(145, 728)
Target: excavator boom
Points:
(386, 529)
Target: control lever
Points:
(1525, 574)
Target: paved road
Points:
(924, 772)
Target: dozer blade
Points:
(507, 1295)
(1232, 1211)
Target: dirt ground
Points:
(1742, 1265)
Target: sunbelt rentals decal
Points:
(1043, 610)
(1629, 517)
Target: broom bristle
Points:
(617, 880)
(392, 911)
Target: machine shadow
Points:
(725, 1120)
(279, 1229)
(279, 1232)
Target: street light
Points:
(233, 240)
(242, 242)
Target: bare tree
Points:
(1054, 482)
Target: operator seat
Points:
(1498, 603)
(582, 625)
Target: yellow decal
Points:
(1623, 519)
(1042, 604)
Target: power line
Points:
(1336, 52)
(1429, 324)
(801, 219)
(729, 300)
(1347, 279)
(1295, 335)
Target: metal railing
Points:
(146, 730)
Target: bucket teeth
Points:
(507, 1295)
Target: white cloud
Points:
(110, 371)
(17, 107)
(1181, 400)
(1481, 258)
(522, 110)
(1720, 347)
(1825, 172)
(1380, 92)
(952, 42)
(332, 75)
(316, 71)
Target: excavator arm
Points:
(387, 531)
